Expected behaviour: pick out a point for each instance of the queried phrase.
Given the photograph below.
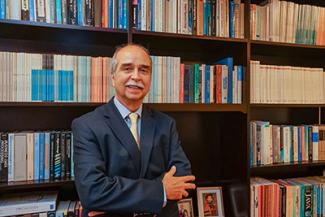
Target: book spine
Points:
(36, 156)
(25, 10)
(41, 155)
(63, 155)
(57, 156)
(58, 10)
(51, 155)
(68, 154)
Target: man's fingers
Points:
(189, 186)
(184, 193)
(186, 178)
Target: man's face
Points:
(132, 77)
(209, 199)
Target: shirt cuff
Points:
(165, 199)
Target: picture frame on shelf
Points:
(210, 201)
(185, 208)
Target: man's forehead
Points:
(137, 56)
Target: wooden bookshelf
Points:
(215, 137)
(37, 185)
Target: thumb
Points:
(172, 171)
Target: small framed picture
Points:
(185, 208)
(210, 202)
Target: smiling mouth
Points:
(134, 87)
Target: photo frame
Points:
(210, 202)
(185, 208)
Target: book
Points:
(29, 202)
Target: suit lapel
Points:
(122, 132)
(146, 139)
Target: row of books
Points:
(303, 196)
(62, 78)
(271, 144)
(223, 18)
(99, 13)
(30, 155)
(285, 21)
(286, 84)
(215, 83)
(38, 204)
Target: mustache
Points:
(136, 84)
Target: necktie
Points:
(134, 126)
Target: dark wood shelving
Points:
(186, 36)
(36, 184)
(284, 44)
(159, 106)
(283, 105)
(279, 53)
(281, 170)
(205, 49)
(309, 2)
(25, 36)
(177, 107)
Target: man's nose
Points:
(135, 74)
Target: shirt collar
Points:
(124, 110)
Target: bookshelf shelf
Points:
(282, 105)
(192, 47)
(25, 36)
(281, 170)
(169, 107)
(159, 106)
(21, 185)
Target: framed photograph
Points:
(185, 208)
(210, 202)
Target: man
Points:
(128, 159)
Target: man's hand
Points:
(176, 187)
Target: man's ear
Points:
(113, 79)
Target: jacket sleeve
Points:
(177, 156)
(98, 192)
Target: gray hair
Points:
(114, 62)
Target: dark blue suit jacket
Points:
(112, 175)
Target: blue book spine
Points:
(43, 85)
(153, 15)
(110, 14)
(229, 62)
(64, 86)
(231, 18)
(80, 12)
(2, 9)
(31, 10)
(60, 80)
(205, 18)
(125, 14)
(34, 85)
(36, 156)
(207, 84)
(71, 86)
(139, 6)
(47, 156)
(120, 14)
(41, 155)
(58, 10)
(50, 85)
(299, 145)
(209, 17)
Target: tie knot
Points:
(133, 117)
